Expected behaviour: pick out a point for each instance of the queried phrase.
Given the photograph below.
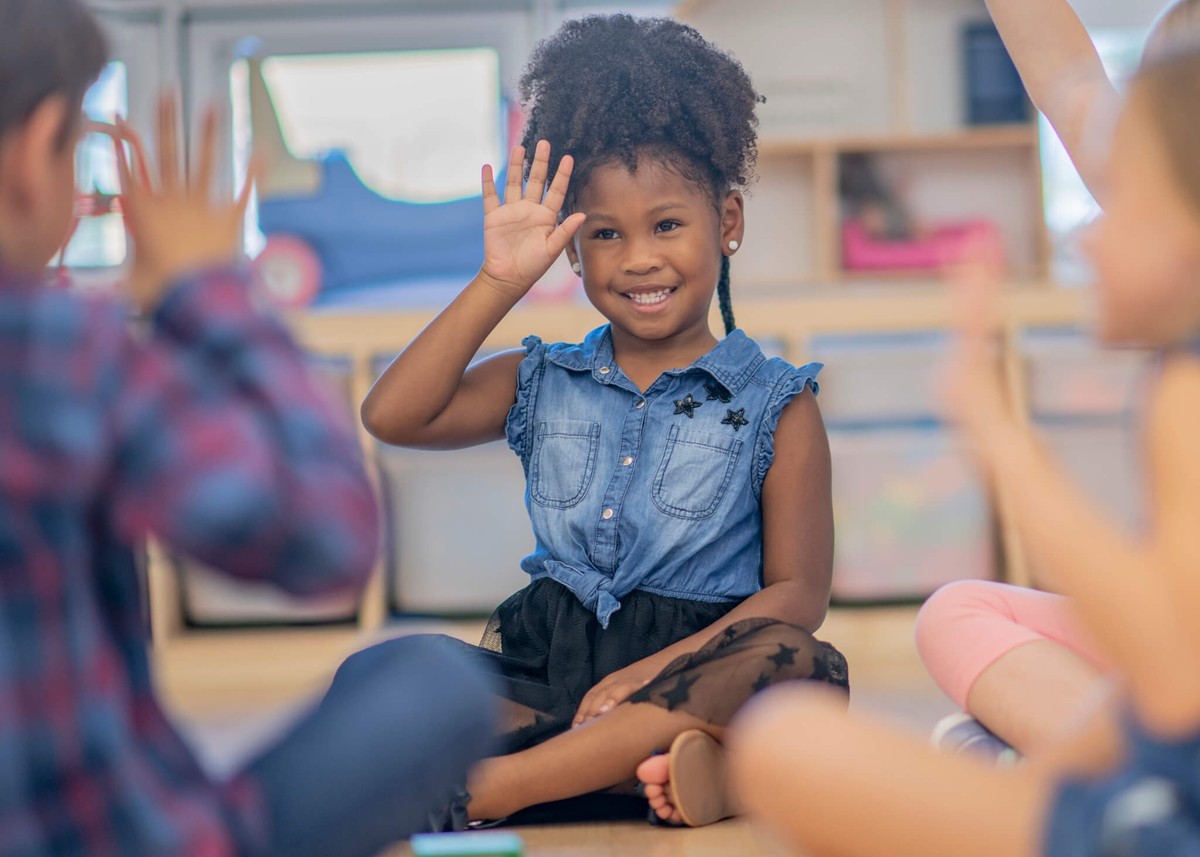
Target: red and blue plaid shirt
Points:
(206, 431)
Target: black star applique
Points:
(716, 391)
(687, 405)
(737, 419)
(762, 684)
(680, 693)
(784, 657)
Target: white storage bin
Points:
(212, 599)
(1103, 458)
(1066, 374)
(909, 512)
(1086, 402)
(879, 378)
(457, 528)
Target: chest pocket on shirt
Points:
(563, 461)
(695, 472)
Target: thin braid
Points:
(723, 298)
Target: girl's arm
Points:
(797, 552)
(1134, 594)
(1062, 71)
(427, 397)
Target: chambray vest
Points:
(657, 490)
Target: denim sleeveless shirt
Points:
(658, 491)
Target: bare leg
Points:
(1017, 659)
(1034, 695)
(837, 784)
(598, 755)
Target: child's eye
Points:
(668, 226)
(605, 234)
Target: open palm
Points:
(176, 221)
(522, 236)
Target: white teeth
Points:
(649, 298)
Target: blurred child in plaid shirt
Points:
(209, 433)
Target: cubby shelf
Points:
(790, 325)
(790, 286)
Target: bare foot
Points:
(655, 776)
(690, 784)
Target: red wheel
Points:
(288, 271)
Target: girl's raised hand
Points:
(974, 390)
(177, 222)
(522, 237)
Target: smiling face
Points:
(650, 252)
(1146, 247)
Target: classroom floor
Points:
(215, 683)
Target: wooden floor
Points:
(731, 838)
(233, 692)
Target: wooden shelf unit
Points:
(789, 286)
(876, 77)
(794, 212)
(792, 324)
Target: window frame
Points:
(213, 42)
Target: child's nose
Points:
(641, 257)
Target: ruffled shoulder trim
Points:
(791, 383)
(529, 374)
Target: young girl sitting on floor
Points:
(678, 486)
(1017, 659)
(860, 790)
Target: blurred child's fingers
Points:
(535, 188)
(168, 143)
(121, 138)
(516, 166)
(562, 235)
(124, 179)
(206, 160)
(558, 188)
(977, 307)
(977, 279)
(491, 200)
(137, 148)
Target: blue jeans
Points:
(398, 728)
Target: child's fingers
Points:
(137, 148)
(206, 160)
(491, 200)
(516, 166)
(588, 707)
(168, 143)
(535, 188)
(558, 188)
(976, 275)
(562, 235)
(977, 313)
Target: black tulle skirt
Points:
(550, 651)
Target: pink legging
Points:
(966, 626)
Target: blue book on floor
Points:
(483, 843)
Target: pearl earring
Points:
(733, 245)
(576, 267)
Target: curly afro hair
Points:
(613, 87)
(610, 86)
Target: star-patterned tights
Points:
(550, 651)
(712, 683)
